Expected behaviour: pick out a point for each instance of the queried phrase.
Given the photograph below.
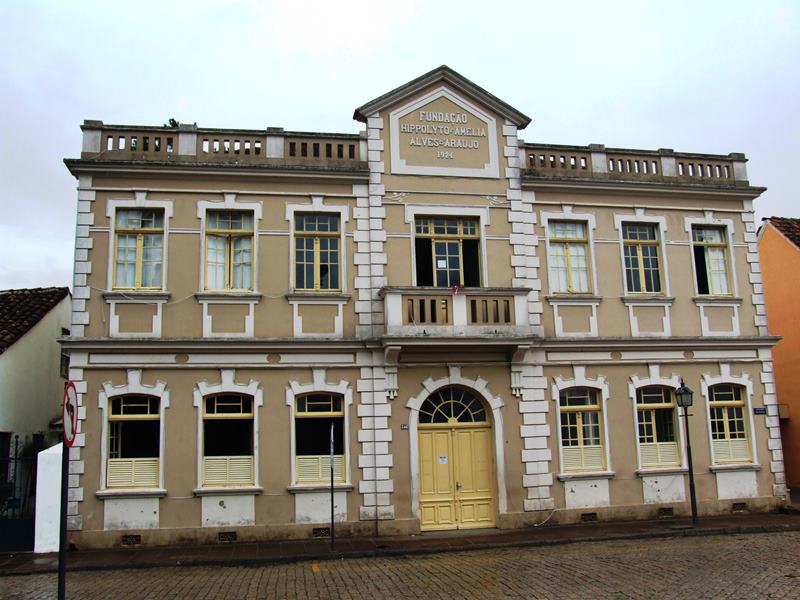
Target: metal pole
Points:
(692, 495)
(333, 535)
(62, 546)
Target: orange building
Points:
(779, 246)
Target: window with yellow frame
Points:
(655, 413)
(228, 435)
(447, 251)
(315, 416)
(138, 248)
(711, 260)
(229, 250)
(569, 257)
(642, 261)
(133, 442)
(317, 255)
(728, 423)
(581, 431)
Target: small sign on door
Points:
(442, 460)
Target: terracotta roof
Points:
(20, 310)
(788, 227)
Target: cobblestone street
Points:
(728, 566)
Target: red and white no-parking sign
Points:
(70, 414)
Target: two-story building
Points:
(489, 332)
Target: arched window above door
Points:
(452, 405)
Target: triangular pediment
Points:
(446, 76)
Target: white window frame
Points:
(412, 211)
(579, 379)
(228, 203)
(140, 201)
(319, 385)
(227, 385)
(744, 381)
(661, 224)
(654, 378)
(590, 222)
(727, 225)
(133, 387)
(318, 206)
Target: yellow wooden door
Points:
(456, 472)
(473, 474)
(437, 490)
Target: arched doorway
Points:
(456, 466)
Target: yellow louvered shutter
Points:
(316, 469)
(132, 472)
(659, 454)
(583, 458)
(220, 471)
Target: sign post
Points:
(70, 427)
(333, 535)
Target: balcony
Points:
(468, 312)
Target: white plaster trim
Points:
(666, 323)
(318, 206)
(479, 386)
(655, 378)
(229, 202)
(318, 384)
(587, 219)
(399, 166)
(113, 318)
(559, 322)
(249, 319)
(338, 320)
(639, 217)
(705, 327)
(140, 201)
(727, 224)
(481, 212)
(579, 379)
(744, 380)
(133, 386)
(227, 384)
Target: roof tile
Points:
(20, 310)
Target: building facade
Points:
(488, 332)
(779, 248)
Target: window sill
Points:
(318, 296)
(429, 290)
(735, 467)
(319, 487)
(232, 296)
(136, 295)
(647, 299)
(654, 471)
(577, 475)
(717, 300)
(131, 493)
(228, 491)
(569, 298)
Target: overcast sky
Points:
(713, 77)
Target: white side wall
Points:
(31, 389)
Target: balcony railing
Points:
(192, 144)
(598, 162)
(443, 311)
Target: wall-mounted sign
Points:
(441, 133)
(759, 410)
(442, 460)
(403, 426)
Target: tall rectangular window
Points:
(447, 251)
(642, 263)
(316, 252)
(133, 442)
(569, 257)
(229, 250)
(728, 433)
(655, 413)
(315, 414)
(138, 248)
(710, 260)
(228, 434)
(581, 441)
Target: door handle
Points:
(458, 485)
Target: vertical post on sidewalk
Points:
(62, 540)
(333, 535)
(69, 420)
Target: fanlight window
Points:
(452, 405)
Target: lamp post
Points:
(684, 397)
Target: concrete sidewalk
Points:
(433, 542)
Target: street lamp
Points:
(684, 397)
